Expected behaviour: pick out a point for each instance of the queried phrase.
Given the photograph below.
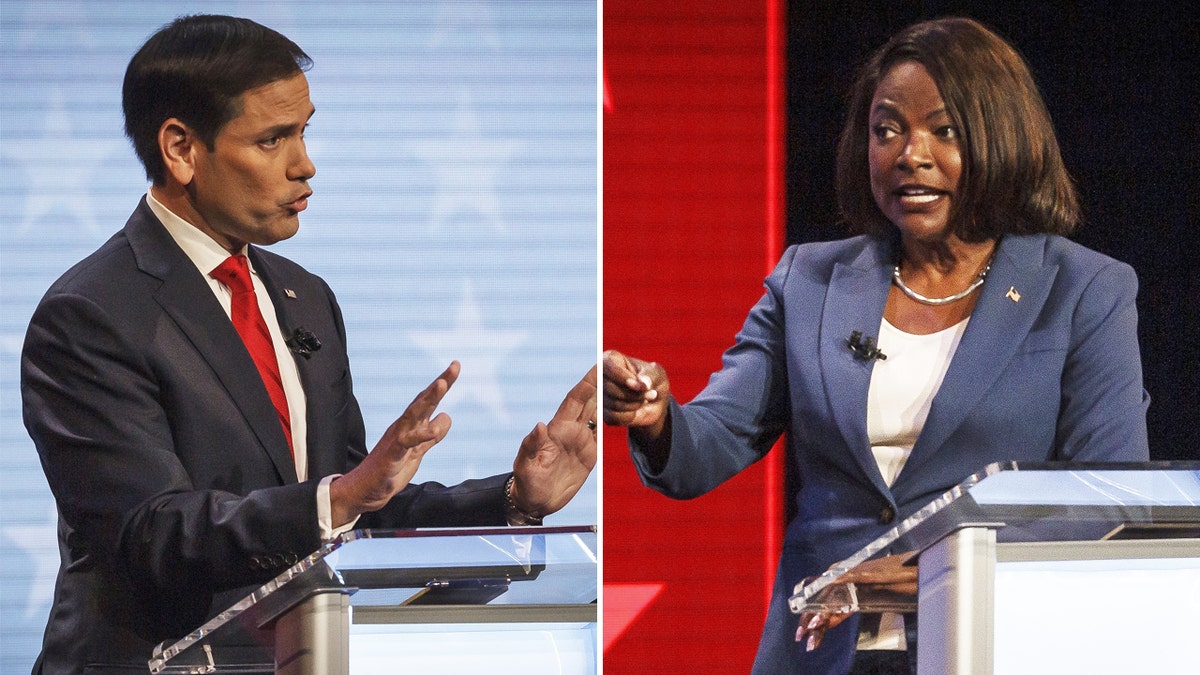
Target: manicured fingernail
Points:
(652, 395)
(811, 644)
(645, 379)
(813, 622)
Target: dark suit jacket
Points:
(175, 487)
(1052, 376)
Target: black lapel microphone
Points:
(864, 349)
(303, 342)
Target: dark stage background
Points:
(720, 142)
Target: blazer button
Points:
(886, 515)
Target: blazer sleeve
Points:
(739, 415)
(1103, 411)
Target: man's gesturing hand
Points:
(395, 459)
(555, 459)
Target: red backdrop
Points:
(693, 143)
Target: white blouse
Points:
(902, 390)
(898, 401)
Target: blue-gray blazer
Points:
(1048, 369)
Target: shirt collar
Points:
(204, 253)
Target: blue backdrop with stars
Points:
(454, 214)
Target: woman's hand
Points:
(889, 573)
(635, 394)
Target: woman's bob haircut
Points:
(1013, 178)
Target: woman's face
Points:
(915, 153)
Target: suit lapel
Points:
(854, 301)
(1011, 299)
(186, 297)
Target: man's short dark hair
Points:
(1013, 178)
(195, 69)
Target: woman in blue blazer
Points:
(958, 328)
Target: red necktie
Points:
(248, 320)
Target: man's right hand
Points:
(394, 461)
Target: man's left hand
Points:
(555, 459)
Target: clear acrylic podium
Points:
(1040, 568)
(439, 600)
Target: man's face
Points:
(251, 187)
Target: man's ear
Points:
(179, 144)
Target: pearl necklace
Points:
(939, 301)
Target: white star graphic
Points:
(40, 542)
(473, 20)
(11, 343)
(60, 167)
(481, 351)
(465, 164)
(56, 18)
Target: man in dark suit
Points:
(199, 435)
